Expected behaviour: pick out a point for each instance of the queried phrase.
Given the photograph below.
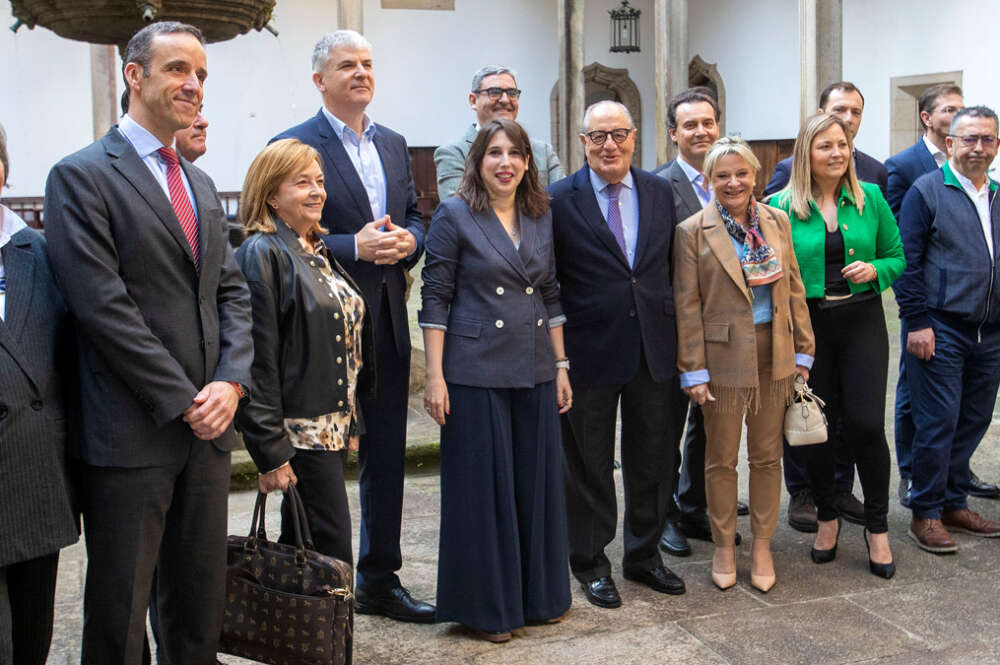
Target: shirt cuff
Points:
(435, 326)
(557, 321)
(695, 378)
(804, 360)
(355, 248)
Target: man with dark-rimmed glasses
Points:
(612, 228)
(494, 94)
(949, 303)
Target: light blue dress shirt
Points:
(697, 180)
(628, 204)
(146, 145)
(365, 158)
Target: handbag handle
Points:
(804, 393)
(257, 530)
(299, 507)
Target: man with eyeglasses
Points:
(949, 303)
(612, 229)
(494, 94)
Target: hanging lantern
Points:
(624, 29)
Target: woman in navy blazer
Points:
(497, 377)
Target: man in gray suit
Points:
(494, 95)
(137, 242)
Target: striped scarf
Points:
(759, 262)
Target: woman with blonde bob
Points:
(743, 335)
(848, 247)
(312, 344)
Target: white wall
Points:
(930, 36)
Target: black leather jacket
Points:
(296, 328)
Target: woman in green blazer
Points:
(849, 251)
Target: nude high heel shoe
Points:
(761, 582)
(724, 580)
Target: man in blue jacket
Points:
(949, 302)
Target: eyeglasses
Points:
(497, 93)
(598, 136)
(970, 140)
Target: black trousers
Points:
(588, 431)
(382, 458)
(27, 603)
(689, 475)
(850, 373)
(173, 518)
(321, 485)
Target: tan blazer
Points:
(715, 328)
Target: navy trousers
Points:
(689, 504)
(382, 460)
(952, 396)
(503, 554)
(904, 419)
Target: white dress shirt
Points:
(939, 156)
(981, 198)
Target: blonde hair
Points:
(800, 185)
(269, 169)
(728, 145)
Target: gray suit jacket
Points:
(449, 160)
(36, 517)
(686, 201)
(495, 300)
(153, 330)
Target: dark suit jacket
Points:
(36, 517)
(347, 209)
(868, 169)
(904, 168)
(496, 300)
(614, 312)
(153, 330)
(686, 201)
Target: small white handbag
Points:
(805, 422)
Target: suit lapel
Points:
(392, 194)
(497, 236)
(127, 162)
(334, 153)
(719, 241)
(470, 137)
(203, 200)
(683, 188)
(526, 250)
(586, 203)
(644, 198)
(18, 262)
(927, 162)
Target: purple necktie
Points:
(615, 214)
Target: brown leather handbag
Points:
(286, 604)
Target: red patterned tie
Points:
(181, 202)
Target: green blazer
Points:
(871, 236)
(450, 162)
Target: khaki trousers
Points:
(723, 428)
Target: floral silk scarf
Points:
(759, 262)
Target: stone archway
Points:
(707, 74)
(600, 83)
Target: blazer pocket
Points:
(465, 329)
(716, 332)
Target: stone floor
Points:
(936, 611)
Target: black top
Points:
(835, 283)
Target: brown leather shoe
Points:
(930, 535)
(971, 522)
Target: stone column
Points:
(350, 15)
(670, 61)
(807, 58)
(571, 89)
(103, 88)
(821, 54)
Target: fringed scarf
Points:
(759, 262)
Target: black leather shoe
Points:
(602, 592)
(673, 541)
(742, 509)
(905, 485)
(660, 579)
(700, 529)
(802, 512)
(883, 570)
(982, 489)
(395, 603)
(850, 508)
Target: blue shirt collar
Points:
(599, 184)
(690, 171)
(340, 126)
(141, 138)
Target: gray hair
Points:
(729, 145)
(604, 102)
(339, 39)
(974, 112)
(490, 70)
(140, 48)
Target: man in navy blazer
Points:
(844, 100)
(612, 229)
(377, 233)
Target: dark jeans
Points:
(904, 419)
(850, 374)
(27, 601)
(952, 396)
(794, 467)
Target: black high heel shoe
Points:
(884, 570)
(826, 556)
